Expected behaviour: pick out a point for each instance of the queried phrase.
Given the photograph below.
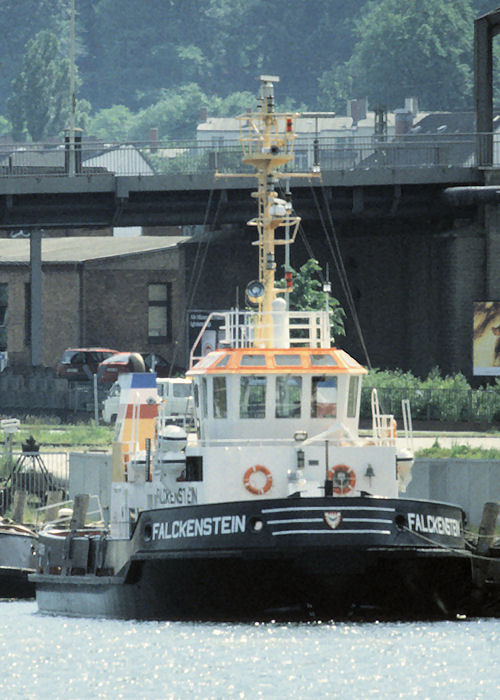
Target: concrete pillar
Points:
(483, 90)
(36, 296)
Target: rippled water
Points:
(56, 657)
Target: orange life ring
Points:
(394, 428)
(346, 482)
(258, 491)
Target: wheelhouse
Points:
(275, 393)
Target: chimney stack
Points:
(357, 109)
(153, 139)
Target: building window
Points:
(4, 306)
(158, 313)
(324, 397)
(220, 397)
(252, 397)
(288, 396)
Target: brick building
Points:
(124, 293)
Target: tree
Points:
(21, 20)
(175, 115)
(307, 294)
(419, 48)
(40, 94)
(114, 124)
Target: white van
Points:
(174, 393)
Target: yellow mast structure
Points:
(267, 140)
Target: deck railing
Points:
(241, 329)
(189, 157)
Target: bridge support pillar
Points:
(36, 296)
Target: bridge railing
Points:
(192, 157)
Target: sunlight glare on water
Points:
(57, 657)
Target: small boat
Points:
(18, 542)
(275, 507)
(18, 550)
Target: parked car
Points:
(120, 363)
(123, 362)
(174, 392)
(81, 363)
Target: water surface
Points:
(57, 657)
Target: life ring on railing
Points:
(257, 469)
(343, 477)
(394, 428)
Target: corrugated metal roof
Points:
(82, 248)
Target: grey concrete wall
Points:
(468, 483)
(90, 472)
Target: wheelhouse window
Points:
(204, 397)
(288, 360)
(323, 360)
(288, 396)
(158, 312)
(253, 360)
(324, 397)
(252, 397)
(352, 397)
(220, 397)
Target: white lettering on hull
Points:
(434, 524)
(184, 495)
(199, 527)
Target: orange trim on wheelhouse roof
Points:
(277, 361)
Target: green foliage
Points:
(162, 61)
(436, 398)
(175, 115)
(416, 47)
(457, 452)
(21, 20)
(5, 126)
(307, 294)
(40, 100)
(114, 123)
(80, 435)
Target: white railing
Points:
(191, 156)
(242, 329)
(383, 424)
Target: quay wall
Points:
(469, 483)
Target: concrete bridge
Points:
(174, 184)
(416, 258)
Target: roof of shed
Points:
(81, 248)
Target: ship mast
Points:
(267, 139)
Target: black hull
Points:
(15, 583)
(17, 562)
(277, 567)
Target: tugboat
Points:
(275, 508)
